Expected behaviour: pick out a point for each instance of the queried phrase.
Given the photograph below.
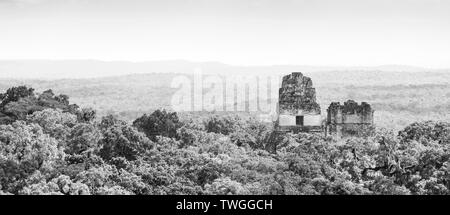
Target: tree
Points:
(114, 190)
(121, 140)
(18, 110)
(86, 115)
(427, 131)
(18, 102)
(225, 186)
(14, 94)
(61, 185)
(83, 138)
(160, 122)
(97, 177)
(54, 122)
(222, 124)
(25, 149)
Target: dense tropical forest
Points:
(50, 146)
(399, 98)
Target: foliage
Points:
(62, 185)
(25, 149)
(58, 152)
(122, 140)
(160, 122)
(427, 131)
(14, 94)
(86, 115)
(18, 102)
(54, 122)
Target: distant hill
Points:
(76, 69)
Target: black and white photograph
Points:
(256, 98)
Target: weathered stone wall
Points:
(297, 95)
(350, 118)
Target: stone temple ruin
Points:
(298, 111)
(297, 106)
(350, 119)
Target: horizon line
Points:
(417, 67)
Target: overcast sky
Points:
(240, 32)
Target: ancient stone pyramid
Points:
(297, 94)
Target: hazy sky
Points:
(241, 32)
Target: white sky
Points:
(240, 32)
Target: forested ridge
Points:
(50, 146)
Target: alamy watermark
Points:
(238, 93)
